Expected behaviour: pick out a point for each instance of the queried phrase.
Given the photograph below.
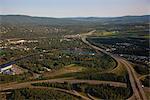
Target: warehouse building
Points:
(5, 67)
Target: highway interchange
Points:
(138, 92)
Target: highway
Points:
(134, 81)
(138, 91)
(8, 86)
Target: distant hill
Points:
(22, 19)
(124, 19)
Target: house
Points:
(5, 67)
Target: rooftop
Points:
(7, 64)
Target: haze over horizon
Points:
(75, 8)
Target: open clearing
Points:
(67, 69)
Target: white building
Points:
(5, 67)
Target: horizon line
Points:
(73, 16)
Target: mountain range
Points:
(23, 19)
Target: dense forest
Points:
(100, 91)
(39, 94)
(47, 53)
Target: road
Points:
(135, 83)
(62, 80)
(74, 93)
(138, 91)
(15, 85)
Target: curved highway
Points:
(62, 80)
(134, 81)
(138, 91)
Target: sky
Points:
(75, 8)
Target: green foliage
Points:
(124, 45)
(58, 59)
(101, 91)
(104, 76)
(39, 94)
(64, 85)
(12, 78)
(108, 92)
(95, 75)
(146, 81)
(2, 53)
(141, 69)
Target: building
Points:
(5, 67)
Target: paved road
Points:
(27, 84)
(135, 83)
(74, 93)
(80, 95)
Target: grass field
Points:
(105, 33)
(72, 68)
